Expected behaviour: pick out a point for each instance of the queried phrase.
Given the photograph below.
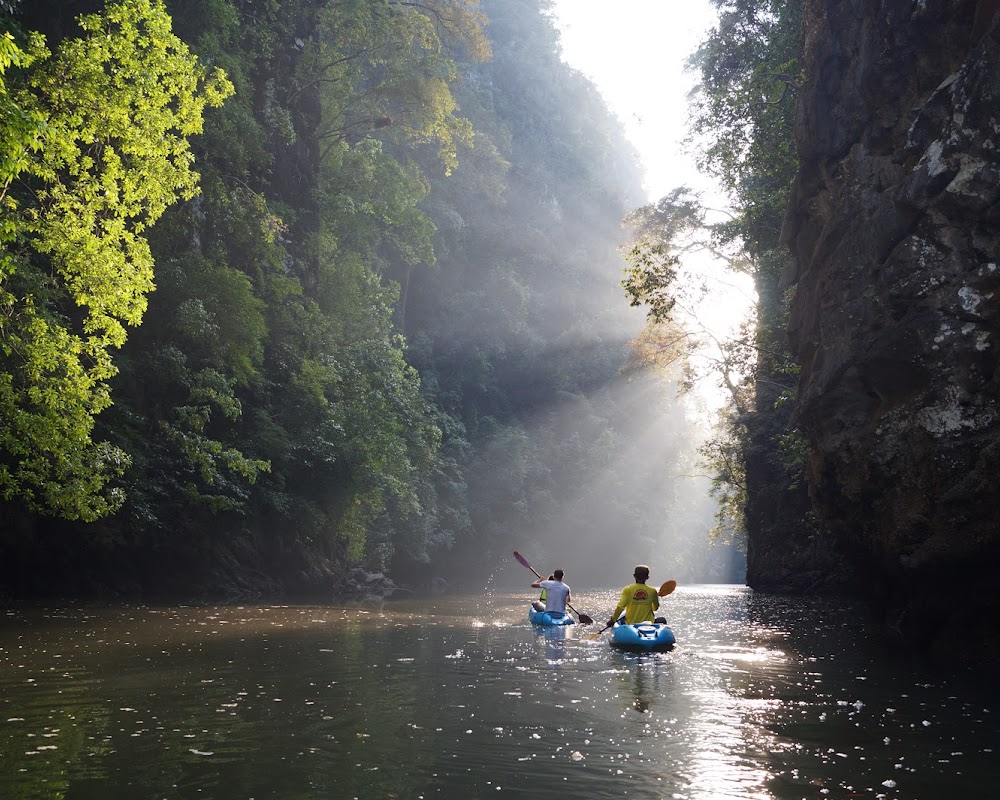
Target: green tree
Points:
(384, 66)
(115, 109)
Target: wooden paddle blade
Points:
(524, 563)
(667, 588)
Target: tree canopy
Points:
(98, 136)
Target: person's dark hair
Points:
(557, 575)
(552, 577)
(641, 573)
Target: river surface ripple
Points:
(763, 697)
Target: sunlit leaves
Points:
(110, 168)
(663, 346)
(458, 24)
(381, 66)
(678, 218)
(22, 127)
(649, 278)
(115, 109)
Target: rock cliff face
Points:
(894, 230)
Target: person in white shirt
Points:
(539, 604)
(557, 593)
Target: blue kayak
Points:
(643, 636)
(549, 617)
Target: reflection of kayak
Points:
(554, 633)
(549, 617)
(643, 636)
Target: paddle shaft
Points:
(523, 561)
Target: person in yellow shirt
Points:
(638, 600)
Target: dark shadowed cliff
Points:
(894, 231)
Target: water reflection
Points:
(762, 698)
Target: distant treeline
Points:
(291, 286)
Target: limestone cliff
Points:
(894, 229)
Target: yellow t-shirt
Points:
(638, 601)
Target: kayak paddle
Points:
(584, 619)
(665, 588)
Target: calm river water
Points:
(762, 697)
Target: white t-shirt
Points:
(556, 593)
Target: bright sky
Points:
(635, 51)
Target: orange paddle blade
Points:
(667, 588)
(597, 635)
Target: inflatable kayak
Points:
(642, 636)
(549, 617)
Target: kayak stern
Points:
(549, 617)
(644, 637)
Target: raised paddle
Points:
(584, 619)
(665, 588)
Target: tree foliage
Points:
(384, 66)
(112, 112)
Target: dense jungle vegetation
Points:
(294, 286)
